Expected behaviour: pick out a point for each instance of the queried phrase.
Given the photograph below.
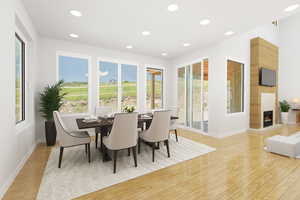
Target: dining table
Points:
(103, 124)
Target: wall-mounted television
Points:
(267, 77)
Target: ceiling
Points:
(114, 24)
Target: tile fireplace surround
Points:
(268, 104)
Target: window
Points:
(74, 72)
(108, 85)
(129, 85)
(235, 87)
(20, 79)
(117, 85)
(154, 88)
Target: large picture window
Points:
(20, 79)
(129, 85)
(117, 85)
(74, 71)
(154, 88)
(108, 85)
(235, 87)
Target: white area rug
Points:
(78, 177)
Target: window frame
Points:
(80, 56)
(119, 81)
(23, 79)
(243, 86)
(163, 69)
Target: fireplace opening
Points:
(268, 118)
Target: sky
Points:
(76, 69)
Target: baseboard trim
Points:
(12, 177)
(267, 128)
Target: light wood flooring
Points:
(239, 169)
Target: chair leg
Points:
(176, 135)
(89, 151)
(128, 151)
(168, 149)
(96, 140)
(101, 140)
(153, 151)
(115, 160)
(134, 155)
(86, 151)
(158, 146)
(60, 156)
(139, 146)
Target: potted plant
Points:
(51, 99)
(129, 109)
(284, 108)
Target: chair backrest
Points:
(103, 110)
(60, 128)
(69, 120)
(160, 126)
(124, 133)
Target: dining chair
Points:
(101, 111)
(173, 122)
(70, 138)
(123, 135)
(157, 132)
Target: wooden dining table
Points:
(104, 124)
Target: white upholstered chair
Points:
(123, 135)
(70, 138)
(173, 122)
(101, 111)
(158, 131)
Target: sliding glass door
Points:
(192, 90)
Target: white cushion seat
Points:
(284, 145)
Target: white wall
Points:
(47, 63)
(17, 142)
(289, 62)
(236, 48)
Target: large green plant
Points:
(51, 99)
(284, 106)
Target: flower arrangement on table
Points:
(128, 109)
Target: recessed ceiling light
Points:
(74, 35)
(164, 54)
(291, 8)
(75, 13)
(228, 33)
(129, 47)
(145, 33)
(173, 7)
(186, 44)
(205, 22)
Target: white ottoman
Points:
(284, 145)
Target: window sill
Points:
(22, 126)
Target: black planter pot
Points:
(50, 132)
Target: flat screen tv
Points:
(267, 77)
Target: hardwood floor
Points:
(239, 169)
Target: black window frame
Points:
(23, 89)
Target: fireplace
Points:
(268, 118)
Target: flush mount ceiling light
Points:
(75, 13)
(205, 22)
(164, 54)
(173, 7)
(129, 47)
(291, 8)
(146, 33)
(73, 35)
(228, 33)
(186, 44)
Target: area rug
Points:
(78, 177)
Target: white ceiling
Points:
(116, 23)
